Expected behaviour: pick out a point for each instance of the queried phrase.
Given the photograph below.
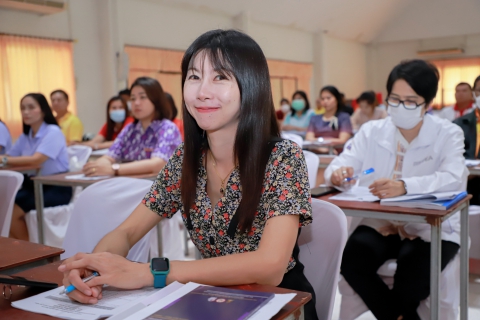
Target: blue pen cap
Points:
(368, 171)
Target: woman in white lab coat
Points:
(412, 153)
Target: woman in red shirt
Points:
(116, 120)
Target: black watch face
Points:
(160, 264)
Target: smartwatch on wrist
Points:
(159, 268)
(4, 160)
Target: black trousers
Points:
(473, 188)
(366, 250)
(52, 195)
(295, 279)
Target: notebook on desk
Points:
(436, 201)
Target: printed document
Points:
(356, 193)
(54, 304)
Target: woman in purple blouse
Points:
(144, 146)
(334, 125)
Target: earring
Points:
(203, 134)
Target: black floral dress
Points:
(286, 190)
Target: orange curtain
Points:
(32, 65)
(452, 72)
(160, 64)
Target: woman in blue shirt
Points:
(299, 118)
(5, 138)
(41, 144)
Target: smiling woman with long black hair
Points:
(232, 145)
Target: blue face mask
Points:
(117, 116)
(298, 104)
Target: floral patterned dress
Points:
(285, 191)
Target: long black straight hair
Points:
(48, 117)
(234, 54)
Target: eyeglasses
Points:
(409, 105)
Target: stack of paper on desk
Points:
(472, 163)
(434, 201)
(114, 300)
(118, 304)
(356, 193)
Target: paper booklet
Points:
(119, 304)
(434, 201)
(114, 300)
(356, 193)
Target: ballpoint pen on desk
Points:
(357, 176)
(71, 287)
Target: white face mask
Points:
(405, 119)
(477, 100)
(285, 108)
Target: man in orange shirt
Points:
(470, 124)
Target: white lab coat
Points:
(434, 162)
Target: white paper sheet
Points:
(356, 193)
(54, 304)
(273, 306)
(100, 152)
(81, 176)
(472, 163)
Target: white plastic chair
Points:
(10, 183)
(101, 208)
(352, 306)
(111, 201)
(172, 235)
(321, 248)
(313, 161)
(294, 137)
(56, 218)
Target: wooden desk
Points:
(49, 273)
(22, 169)
(435, 219)
(60, 180)
(18, 255)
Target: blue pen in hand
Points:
(356, 177)
(71, 287)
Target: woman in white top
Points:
(412, 153)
